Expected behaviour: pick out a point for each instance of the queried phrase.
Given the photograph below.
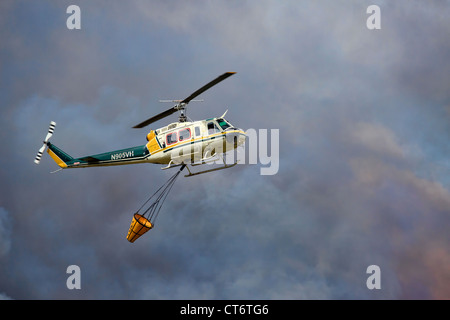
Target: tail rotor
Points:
(41, 151)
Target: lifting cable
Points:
(151, 213)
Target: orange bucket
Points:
(139, 226)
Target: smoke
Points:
(362, 175)
(5, 233)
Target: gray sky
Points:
(364, 128)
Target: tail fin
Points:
(61, 158)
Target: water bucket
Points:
(139, 226)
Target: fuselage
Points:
(179, 142)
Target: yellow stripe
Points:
(57, 159)
(197, 139)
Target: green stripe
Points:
(122, 155)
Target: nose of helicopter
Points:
(241, 137)
(236, 137)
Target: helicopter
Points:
(180, 143)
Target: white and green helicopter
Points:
(180, 143)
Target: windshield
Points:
(223, 123)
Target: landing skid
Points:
(210, 170)
(201, 162)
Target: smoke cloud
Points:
(363, 171)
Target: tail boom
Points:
(119, 157)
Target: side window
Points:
(212, 128)
(184, 134)
(171, 138)
(197, 131)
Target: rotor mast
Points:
(181, 106)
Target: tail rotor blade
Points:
(51, 129)
(39, 154)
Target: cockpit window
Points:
(212, 128)
(223, 123)
(171, 138)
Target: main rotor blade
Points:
(207, 86)
(156, 118)
(185, 101)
